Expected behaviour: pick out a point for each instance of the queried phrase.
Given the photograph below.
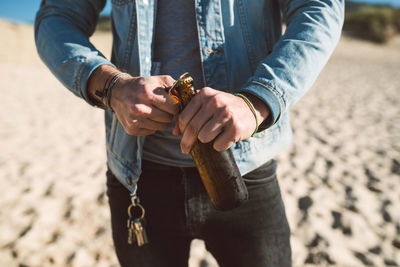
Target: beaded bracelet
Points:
(251, 106)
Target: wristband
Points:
(251, 106)
(105, 93)
(114, 80)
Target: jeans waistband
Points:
(150, 165)
(153, 166)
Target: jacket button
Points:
(214, 51)
(128, 180)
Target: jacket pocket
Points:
(124, 31)
(124, 147)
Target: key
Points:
(135, 224)
(140, 232)
(131, 232)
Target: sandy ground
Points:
(340, 178)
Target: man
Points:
(228, 47)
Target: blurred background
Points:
(340, 178)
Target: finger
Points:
(144, 132)
(168, 80)
(153, 125)
(151, 112)
(163, 101)
(225, 140)
(211, 130)
(145, 123)
(192, 130)
(160, 115)
(188, 113)
(138, 131)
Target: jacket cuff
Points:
(267, 95)
(87, 70)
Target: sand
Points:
(340, 178)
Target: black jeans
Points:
(178, 210)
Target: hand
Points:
(142, 105)
(217, 116)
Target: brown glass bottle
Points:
(218, 170)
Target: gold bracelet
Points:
(248, 102)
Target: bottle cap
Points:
(183, 80)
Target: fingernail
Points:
(184, 150)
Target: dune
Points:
(340, 178)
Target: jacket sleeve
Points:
(62, 31)
(313, 30)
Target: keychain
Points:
(136, 223)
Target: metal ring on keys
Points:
(136, 205)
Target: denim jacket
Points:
(241, 46)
